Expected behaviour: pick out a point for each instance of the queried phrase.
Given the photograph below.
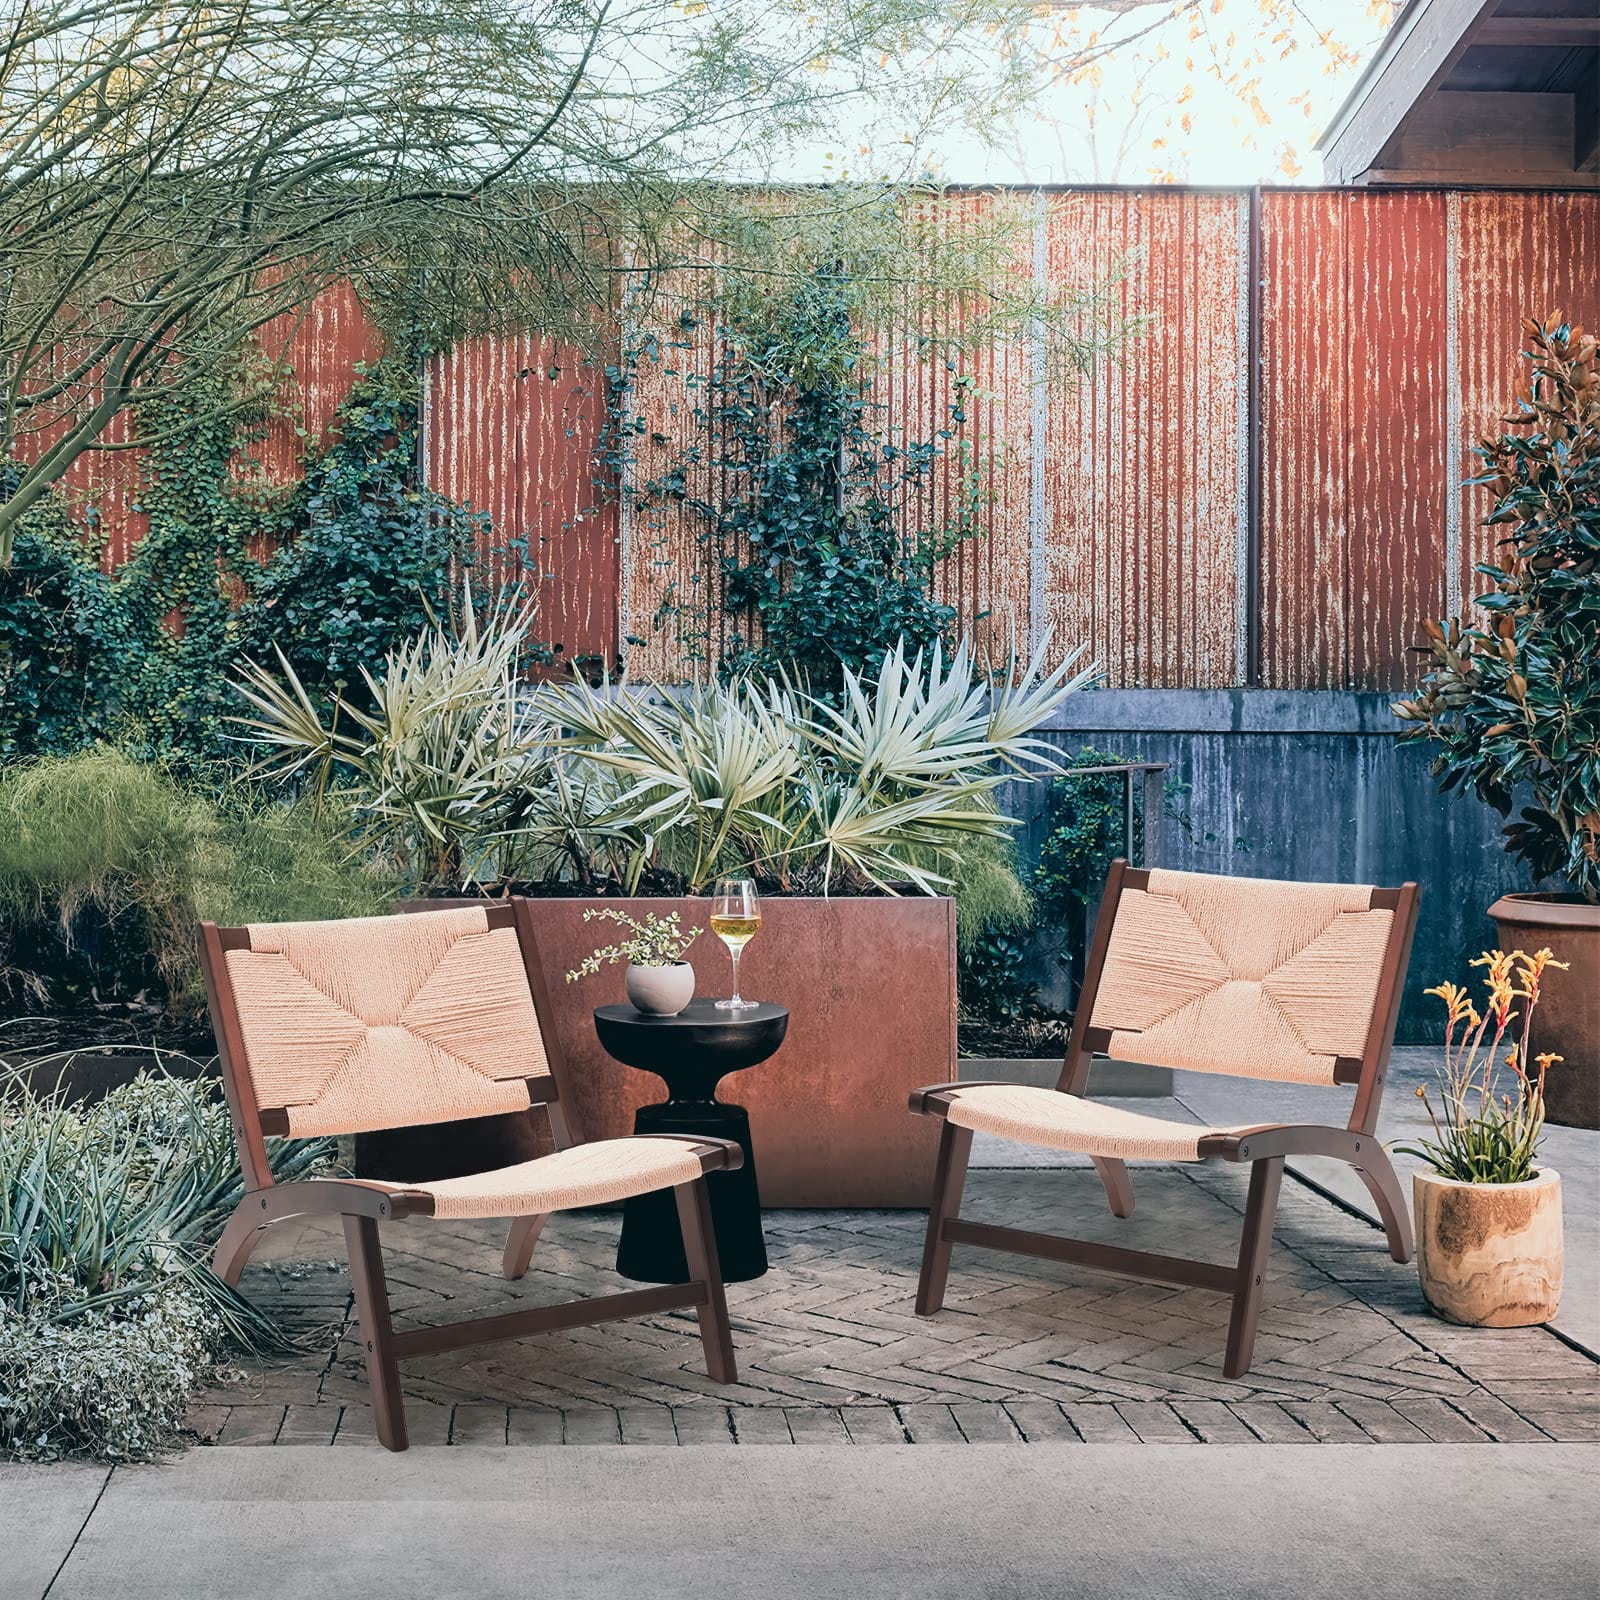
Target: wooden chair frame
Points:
(1263, 1147)
(362, 1206)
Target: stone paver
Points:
(830, 1351)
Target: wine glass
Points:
(735, 917)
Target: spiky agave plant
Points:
(879, 790)
(435, 768)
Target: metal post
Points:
(1127, 816)
(1155, 799)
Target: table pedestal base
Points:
(651, 1250)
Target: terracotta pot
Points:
(660, 991)
(1568, 1018)
(1489, 1254)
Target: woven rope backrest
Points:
(1246, 976)
(385, 1022)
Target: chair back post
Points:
(1075, 1064)
(563, 1125)
(214, 942)
(1385, 1007)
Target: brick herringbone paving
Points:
(831, 1352)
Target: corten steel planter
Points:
(1568, 1018)
(870, 987)
(1489, 1254)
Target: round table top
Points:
(697, 1014)
(696, 1048)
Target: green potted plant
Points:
(1512, 698)
(1488, 1216)
(659, 980)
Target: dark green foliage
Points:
(1513, 701)
(335, 570)
(371, 552)
(992, 980)
(55, 605)
(817, 529)
(1086, 831)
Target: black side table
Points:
(692, 1052)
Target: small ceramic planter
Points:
(661, 991)
(1489, 1254)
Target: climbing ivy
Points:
(820, 544)
(333, 570)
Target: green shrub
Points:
(109, 1313)
(99, 856)
(107, 863)
(336, 569)
(1511, 698)
(111, 1383)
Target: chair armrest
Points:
(332, 1197)
(716, 1155)
(1289, 1139)
(934, 1101)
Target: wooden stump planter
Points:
(1569, 1002)
(1489, 1254)
(870, 986)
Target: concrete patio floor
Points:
(941, 1522)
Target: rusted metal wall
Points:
(1513, 255)
(512, 428)
(322, 345)
(1142, 461)
(1199, 524)
(1354, 469)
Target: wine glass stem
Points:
(736, 954)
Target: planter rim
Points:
(658, 966)
(1540, 1180)
(1546, 911)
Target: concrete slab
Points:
(877, 1524)
(42, 1510)
(1573, 1152)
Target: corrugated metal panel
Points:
(1115, 508)
(1354, 473)
(512, 429)
(102, 489)
(323, 344)
(1519, 255)
(1142, 459)
(671, 585)
(984, 468)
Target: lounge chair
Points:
(383, 1022)
(1297, 982)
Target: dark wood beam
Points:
(1418, 56)
(1556, 32)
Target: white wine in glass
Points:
(735, 919)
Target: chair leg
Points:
(1384, 1186)
(524, 1236)
(700, 1251)
(377, 1331)
(1260, 1211)
(239, 1239)
(1118, 1185)
(949, 1179)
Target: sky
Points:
(1228, 92)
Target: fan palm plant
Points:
(435, 769)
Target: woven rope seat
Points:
(584, 1175)
(1067, 1122)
